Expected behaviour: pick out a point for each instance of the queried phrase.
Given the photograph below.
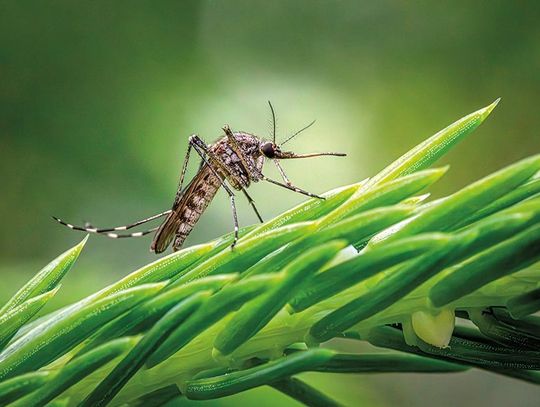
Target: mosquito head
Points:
(273, 151)
(270, 150)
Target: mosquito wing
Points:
(187, 209)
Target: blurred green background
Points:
(97, 100)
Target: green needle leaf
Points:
(214, 387)
(147, 313)
(157, 398)
(502, 332)
(353, 229)
(344, 275)
(247, 252)
(165, 268)
(398, 283)
(496, 262)
(76, 370)
(254, 316)
(12, 320)
(16, 387)
(383, 195)
(426, 153)
(386, 363)
(519, 194)
(525, 304)
(304, 393)
(464, 203)
(47, 278)
(46, 342)
(482, 354)
(492, 230)
(308, 210)
(214, 309)
(463, 351)
(113, 383)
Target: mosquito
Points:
(232, 162)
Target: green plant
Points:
(207, 322)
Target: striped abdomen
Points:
(186, 210)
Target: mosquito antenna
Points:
(299, 131)
(273, 122)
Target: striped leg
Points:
(134, 234)
(252, 203)
(243, 160)
(202, 149)
(292, 188)
(110, 231)
(282, 173)
(179, 191)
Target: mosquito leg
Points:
(202, 149)
(237, 149)
(252, 203)
(292, 188)
(282, 172)
(91, 229)
(183, 174)
(134, 234)
(235, 219)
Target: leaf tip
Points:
(53, 292)
(76, 250)
(160, 284)
(217, 355)
(290, 309)
(82, 242)
(486, 111)
(437, 173)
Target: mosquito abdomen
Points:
(187, 210)
(196, 204)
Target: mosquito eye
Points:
(268, 150)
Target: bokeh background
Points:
(97, 100)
